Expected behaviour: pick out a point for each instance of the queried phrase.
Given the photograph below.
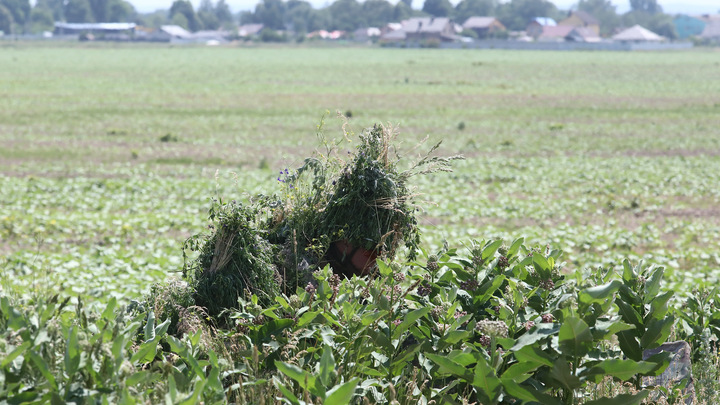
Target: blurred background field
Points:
(110, 154)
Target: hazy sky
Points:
(670, 6)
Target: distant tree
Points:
(206, 14)
(78, 11)
(19, 9)
(438, 8)
(57, 7)
(180, 20)
(648, 6)
(41, 19)
(319, 20)
(185, 8)
(6, 20)
(223, 13)
(269, 35)
(402, 11)
(377, 13)
(99, 10)
(604, 12)
(517, 14)
(472, 8)
(247, 17)
(301, 17)
(271, 13)
(154, 19)
(347, 15)
(660, 24)
(120, 11)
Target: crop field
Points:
(602, 155)
(109, 155)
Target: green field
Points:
(602, 155)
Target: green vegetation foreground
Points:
(109, 157)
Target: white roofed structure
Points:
(637, 33)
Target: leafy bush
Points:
(53, 353)
(234, 260)
(499, 325)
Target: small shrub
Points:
(362, 200)
(270, 35)
(234, 260)
(263, 165)
(461, 125)
(430, 43)
(171, 300)
(168, 138)
(116, 132)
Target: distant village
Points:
(437, 25)
(578, 28)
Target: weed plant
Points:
(234, 260)
(362, 198)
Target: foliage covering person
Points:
(342, 211)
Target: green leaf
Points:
(622, 369)
(342, 394)
(365, 370)
(539, 333)
(384, 269)
(287, 393)
(272, 328)
(527, 393)
(629, 314)
(178, 347)
(144, 377)
(327, 365)
(575, 337)
(622, 399)
(282, 301)
(659, 306)
(302, 377)
(657, 332)
(306, 318)
(490, 249)
(15, 353)
(542, 266)
(448, 366)
(409, 319)
(150, 326)
(486, 381)
(463, 358)
(515, 247)
(146, 352)
(629, 345)
(488, 288)
(605, 329)
(561, 373)
(42, 366)
(23, 398)
(454, 336)
(522, 369)
(599, 293)
(533, 355)
(72, 353)
(629, 273)
(652, 286)
(371, 317)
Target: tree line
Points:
(300, 17)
